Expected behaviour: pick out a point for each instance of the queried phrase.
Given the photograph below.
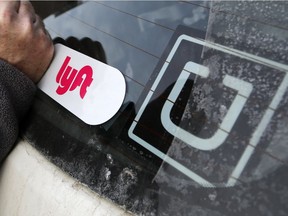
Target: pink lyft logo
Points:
(67, 80)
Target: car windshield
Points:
(203, 126)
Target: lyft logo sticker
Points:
(70, 78)
(90, 89)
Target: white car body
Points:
(31, 185)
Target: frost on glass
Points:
(210, 101)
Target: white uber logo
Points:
(243, 89)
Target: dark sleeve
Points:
(16, 95)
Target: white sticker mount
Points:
(90, 89)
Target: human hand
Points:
(24, 41)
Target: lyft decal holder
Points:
(90, 89)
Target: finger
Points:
(9, 8)
(26, 10)
(27, 6)
(40, 31)
(10, 5)
(39, 25)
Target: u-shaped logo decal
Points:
(165, 92)
(243, 89)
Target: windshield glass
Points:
(203, 127)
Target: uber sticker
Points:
(90, 89)
(214, 101)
